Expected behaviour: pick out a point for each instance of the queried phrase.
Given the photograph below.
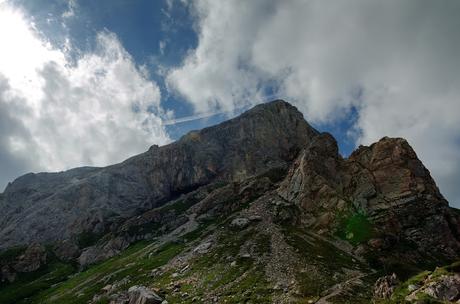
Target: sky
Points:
(94, 82)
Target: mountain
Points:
(47, 207)
(261, 208)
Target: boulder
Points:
(136, 295)
(143, 295)
(7, 274)
(240, 222)
(203, 247)
(385, 286)
(119, 298)
(32, 259)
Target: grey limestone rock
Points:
(50, 207)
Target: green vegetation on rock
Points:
(355, 227)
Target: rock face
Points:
(48, 207)
(384, 184)
(95, 254)
(390, 183)
(31, 259)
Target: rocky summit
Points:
(259, 209)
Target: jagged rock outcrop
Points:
(30, 259)
(104, 251)
(47, 207)
(403, 201)
(385, 184)
(385, 286)
(314, 182)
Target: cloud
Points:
(71, 8)
(216, 74)
(57, 113)
(395, 62)
(14, 136)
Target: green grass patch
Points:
(28, 285)
(252, 288)
(355, 228)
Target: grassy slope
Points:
(208, 275)
(212, 270)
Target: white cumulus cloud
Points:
(57, 113)
(396, 62)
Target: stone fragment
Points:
(240, 222)
(143, 295)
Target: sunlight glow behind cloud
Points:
(56, 113)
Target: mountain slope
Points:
(259, 209)
(48, 207)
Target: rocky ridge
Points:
(48, 207)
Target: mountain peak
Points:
(269, 116)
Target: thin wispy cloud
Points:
(404, 56)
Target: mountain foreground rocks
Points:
(261, 208)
